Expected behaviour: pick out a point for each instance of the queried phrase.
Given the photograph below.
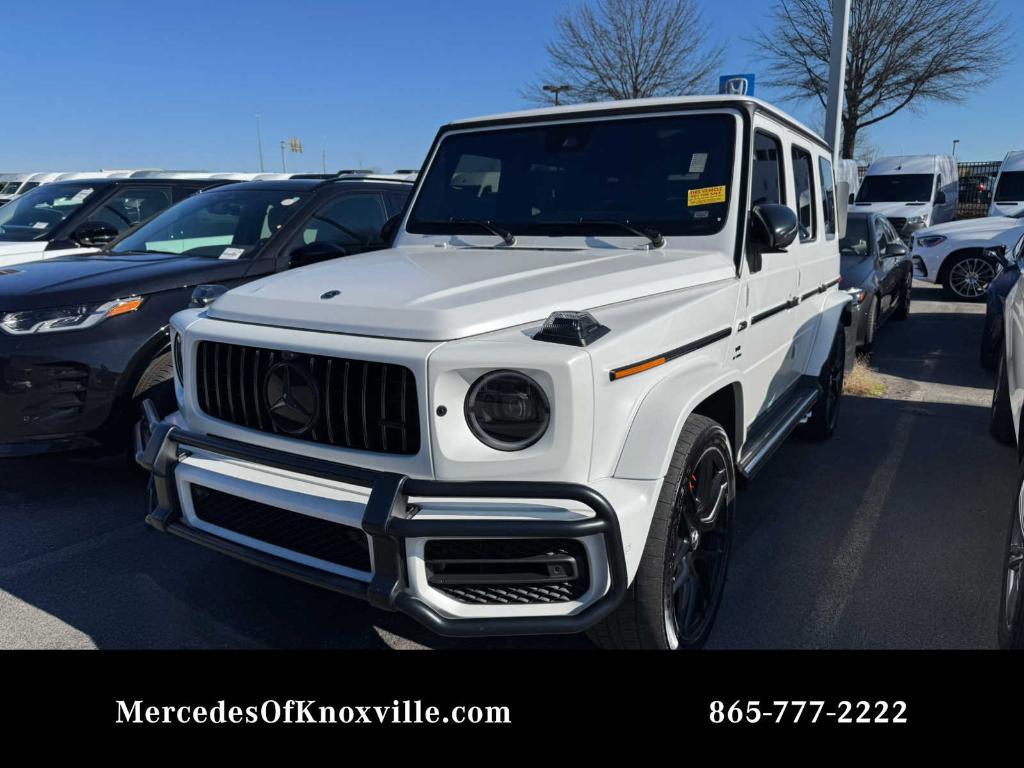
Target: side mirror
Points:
(390, 229)
(940, 198)
(313, 253)
(896, 249)
(205, 295)
(774, 227)
(93, 234)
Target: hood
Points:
(975, 228)
(437, 294)
(894, 210)
(857, 271)
(87, 279)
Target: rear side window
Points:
(828, 197)
(766, 180)
(803, 178)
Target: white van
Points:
(11, 184)
(849, 171)
(912, 191)
(1008, 199)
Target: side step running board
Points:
(770, 430)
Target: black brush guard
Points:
(388, 521)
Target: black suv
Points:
(84, 338)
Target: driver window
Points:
(129, 206)
(350, 222)
(766, 183)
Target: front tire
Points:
(870, 325)
(1011, 606)
(903, 310)
(1000, 422)
(674, 598)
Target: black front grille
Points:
(451, 565)
(355, 404)
(311, 536)
(898, 224)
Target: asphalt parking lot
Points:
(888, 536)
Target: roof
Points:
(1014, 161)
(298, 185)
(910, 164)
(644, 105)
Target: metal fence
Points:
(977, 183)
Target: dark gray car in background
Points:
(875, 267)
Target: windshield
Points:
(668, 174)
(225, 224)
(10, 188)
(1011, 187)
(897, 188)
(35, 214)
(857, 238)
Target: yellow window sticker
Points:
(705, 196)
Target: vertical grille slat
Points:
(375, 399)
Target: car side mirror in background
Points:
(896, 249)
(314, 253)
(940, 198)
(205, 295)
(390, 229)
(93, 234)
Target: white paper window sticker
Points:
(81, 195)
(39, 225)
(231, 253)
(698, 162)
(289, 201)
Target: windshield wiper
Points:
(507, 237)
(656, 238)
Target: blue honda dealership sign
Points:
(736, 85)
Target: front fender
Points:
(835, 312)
(655, 430)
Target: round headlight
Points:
(507, 411)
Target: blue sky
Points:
(118, 84)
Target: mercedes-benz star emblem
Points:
(292, 396)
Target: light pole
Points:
(557, 89)
(837, 75)
(259, 140)
(284, 167)
(955, 142)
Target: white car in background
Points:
(964, 257)
(1008, 199)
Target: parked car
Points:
(964, 257)
(876, 269)
(11, 185)
(83, 338)
(1006, 426)
(1009, 196)
(594, 323)
(995, 303)
(75, 217)
(912, 191)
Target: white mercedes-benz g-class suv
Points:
(531, 414)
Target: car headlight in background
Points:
(507, 411)
(73, 318)
(930, 241)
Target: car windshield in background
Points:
(35, 214)
(897, 188)
(856, 241)
(1011, 187)
(668, 174)
(223, 224)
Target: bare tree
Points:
(902, 53)
(628, 49)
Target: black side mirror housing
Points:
(896, 249)
(940, 198)
(94, 234)
(313, 253)
(773, 227)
